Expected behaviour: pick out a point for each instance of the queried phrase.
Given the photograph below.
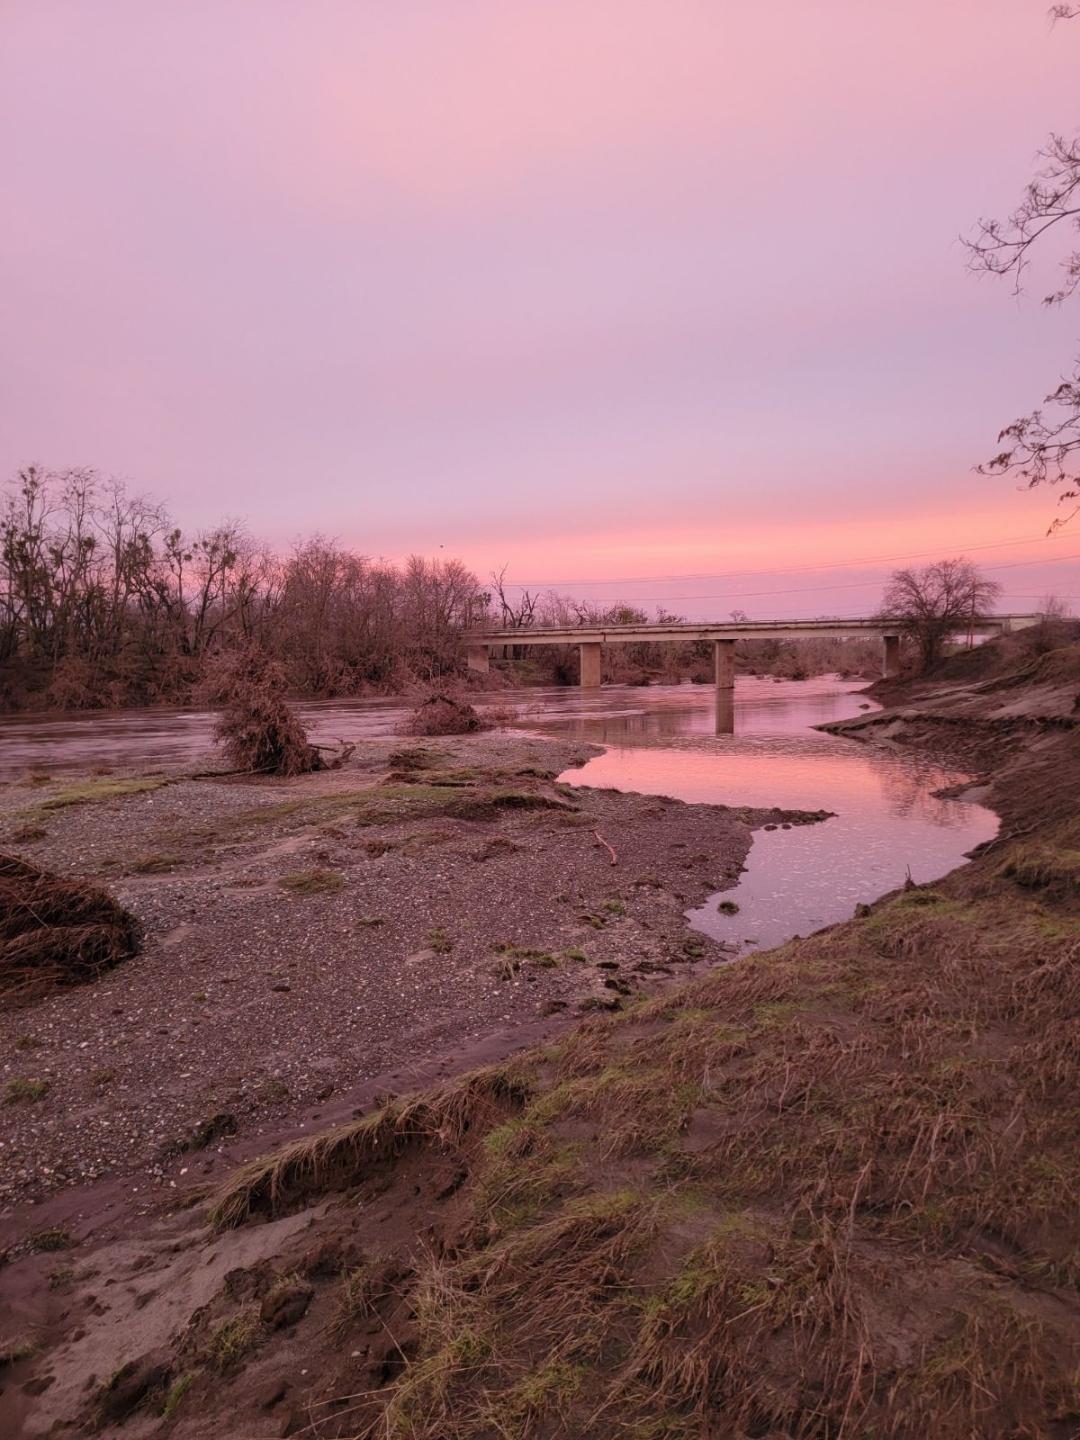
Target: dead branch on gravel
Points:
(609, 848)
(56, 932)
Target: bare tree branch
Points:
(1041, 449)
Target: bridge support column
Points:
(891, 661)
(725, 712)
(478, 657)
(725, 664)
(590, 664)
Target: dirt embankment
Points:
(824, 1192)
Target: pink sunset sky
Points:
(605, 290)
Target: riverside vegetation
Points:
(828, 1191)
(105, 603)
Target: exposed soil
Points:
(824, 1192)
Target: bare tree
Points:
(1041, 448)
(1054, 607)
(937, 601)
(513, 616)
(104, 602)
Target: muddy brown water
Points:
(659, 740)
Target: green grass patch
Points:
(312, 882)
(231, 1340)
(25, 1091)
(96, 792)
(176, 1393)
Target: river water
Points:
(888, 822)
(660, 740)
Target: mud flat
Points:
(828, 1190)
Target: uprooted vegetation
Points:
(444, 714)
(56, 932)
(257, 728)
(826, 1192)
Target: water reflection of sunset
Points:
(813, 780)
(887, 822)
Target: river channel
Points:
(663, 740)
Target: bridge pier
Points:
(725, 712)
(478, 657)
(590, 664)
(891, 661)
(725, 664)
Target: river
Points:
(888, 824)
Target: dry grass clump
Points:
(14, 1348)
(232, 1338)
(154, 863)
(312, 882)
(257, 728)
(543, 1295)
(1039, 866)
(444, 714)
(24, 1090)
(488, 804)
(410, 758)
(56, 932)
(53, 1237)
(344, 1155)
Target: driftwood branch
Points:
(341, 752)
(609, 848)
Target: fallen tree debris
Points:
(56, 932)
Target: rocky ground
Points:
(302, 937)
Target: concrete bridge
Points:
(589, 639)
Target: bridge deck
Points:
(875, 627)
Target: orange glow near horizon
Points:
(835, 566)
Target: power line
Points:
(787, 569)
(819, 589)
